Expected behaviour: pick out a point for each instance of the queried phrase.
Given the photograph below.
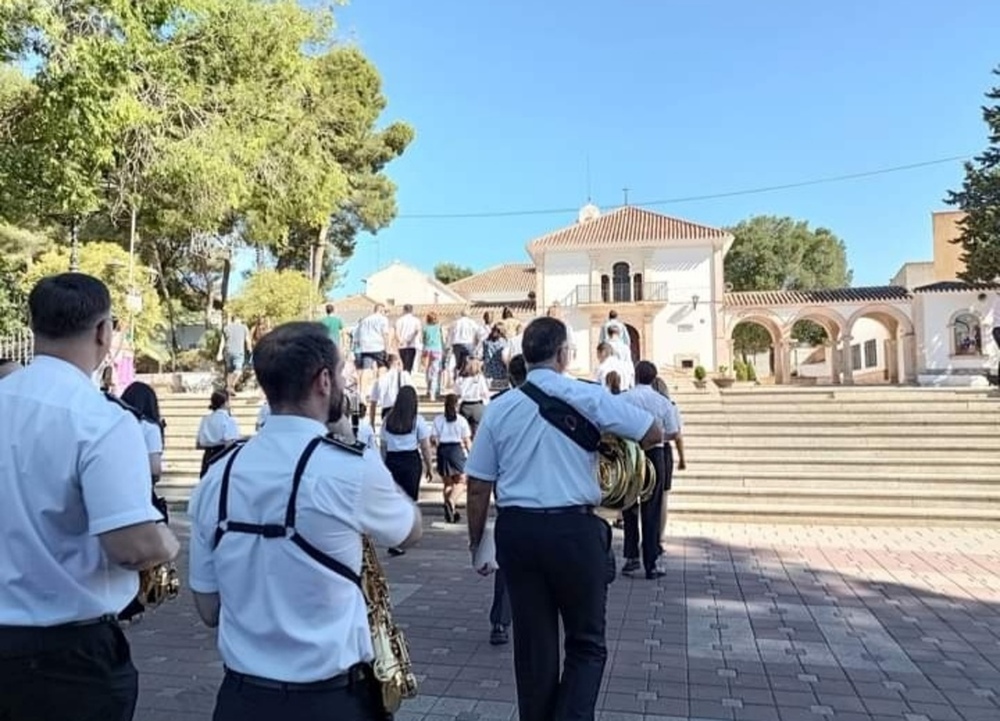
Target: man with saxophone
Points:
(276, 546)
(554, 550)
(76, 521)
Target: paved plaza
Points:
(764, 623)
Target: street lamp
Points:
(694, 301)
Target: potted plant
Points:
(699, 376)
(724, 380)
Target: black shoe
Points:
(499, 635)
(456, 517)
(655, 574)
(449, 513)
(396, 552)
(631, 565)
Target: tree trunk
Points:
(317, 256)
(174, 344)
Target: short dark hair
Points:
(612, 314)
(407, 308)
(645, 373)
(288, 359)
(518, 370)
(329, 308)
(542, 339)
(67, 305)
(604, 347)
(217, 400)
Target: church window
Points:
(605, 289)
(967, 335)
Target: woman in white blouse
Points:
(217, 430)
(406, 446)
(452, 436)
(473, 391)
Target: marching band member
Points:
(276, 548)
(76, 521)
(217, 430)
(553, 549)
(645, 397)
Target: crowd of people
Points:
(340, 452)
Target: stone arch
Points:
(900, 349)
(779, 340)
(973, 320)
(828, 318)
(834, 324)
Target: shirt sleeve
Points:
(384, 511)
(614, 414)
(201, 566)
(153, 437)
(464, 427)
(483, 461)
(423, 430)
(115, 480)
(231, 431)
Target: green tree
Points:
(773, 253)
(980, 199)
(450, 272)
(13, 313)
(109, 262)
(277, 295)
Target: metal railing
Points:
(618, 293)
(18, 346)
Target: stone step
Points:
(932, 498)
(845, 515)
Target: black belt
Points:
(561, 510)
(359, 673)
(471, 403)
(106, 618)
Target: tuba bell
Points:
(158, 584)
(624, 473)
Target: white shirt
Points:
(614, 364)
(153, 435)
(455, 431)
(465, 331)
(473, 389)
(515, 344)
(386, 388)
(514, 442)
(646, 397)
(621, 350)
(73, 465)
(623, 334)
(217, 428)
(366, 434)
(996, 311)
(409, 441)
(408, 330)
(283, 616)
(371, 333)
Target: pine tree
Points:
(980, 199)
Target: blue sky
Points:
(673, 98)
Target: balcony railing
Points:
(618, 293)
(18, 346)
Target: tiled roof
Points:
(513, 279)
(870, 294)
(956, 286)
(627, 226)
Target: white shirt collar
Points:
(293, 424)
(58, 365)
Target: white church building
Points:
(664, 277)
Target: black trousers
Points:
(996, 339)
(650, 514)
(407, 356)
(500, 609)
(555, 566)
(237, 701)
(67, 673)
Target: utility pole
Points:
(625, 191)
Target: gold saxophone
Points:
(392, 665)
(625, 474)
(158, 584)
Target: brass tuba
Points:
(625, 475)
(158, 584)
(392, 666)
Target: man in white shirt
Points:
(645, 397)
(76, 522)
(372, 340)
(408, 334)
(607, 363)
(465, 334)
(613, 322)
(289, 507)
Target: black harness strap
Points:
(274, 530)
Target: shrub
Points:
(751, 372)
(699, 373)
(740, 368)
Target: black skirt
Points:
(473, 413)
(406, 468)
(450, 459)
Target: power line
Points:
(691, 198)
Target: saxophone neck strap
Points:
(275, 530)
(567, 419)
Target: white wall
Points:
(681, 330)
(403, 284)
(564, 271)
(865, 329)
(937, 363)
